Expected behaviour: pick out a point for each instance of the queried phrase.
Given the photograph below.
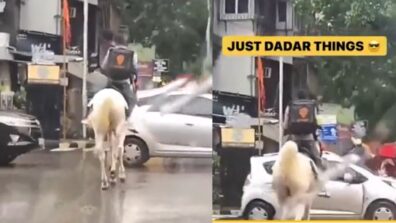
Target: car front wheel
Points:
(135, 152)
(381, 210)
(259, 210)
(6, 159)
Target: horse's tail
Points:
(288, 152)
(287, 158)
(287, 169)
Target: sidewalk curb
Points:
(71, 145)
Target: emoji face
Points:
(373, 46)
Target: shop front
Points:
(44, 98)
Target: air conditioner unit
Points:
(4, 39)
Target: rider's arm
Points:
(135, 64)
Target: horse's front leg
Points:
(99, 141)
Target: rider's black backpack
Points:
(118, 63)
(302, 117)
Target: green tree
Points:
(176, 27)
(369, 83)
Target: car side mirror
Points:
(348, 177)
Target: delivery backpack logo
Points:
(120, 60)
(303, 112)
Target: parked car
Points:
(184, 133)
(19, 134)
(358, 194)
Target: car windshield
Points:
(366, 168)
(147, 100)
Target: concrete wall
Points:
(230, 74)
(35, 16)
(9, 20)
(115, 20)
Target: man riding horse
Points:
(301, 126)
(119, 64)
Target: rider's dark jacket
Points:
(123, 86)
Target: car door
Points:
(168, 129)
(199, 123)
(338, 195)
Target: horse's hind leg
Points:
(284, 212)
(113, 150)
(120, 150)
(300, 211)
(99, 141)
(307, 215)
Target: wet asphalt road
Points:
(64, 187)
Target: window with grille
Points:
(237, 9)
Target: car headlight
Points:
(14, 138)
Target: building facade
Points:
(235, 77)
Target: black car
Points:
(19, 134)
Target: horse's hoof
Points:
(105, 185)
(122, 180)
(113, 181)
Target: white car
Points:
(183, 133)
(358, 194)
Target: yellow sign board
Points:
(238, 137)
(43, 74)
(304, 46)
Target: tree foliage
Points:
(176, 27)
(369, 83)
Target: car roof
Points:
(330, 156)
(158, 93)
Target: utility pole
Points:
(280, 102)
(64, 75)
(85, 66)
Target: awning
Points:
(58, 59)
(5, 54)
(76, 69)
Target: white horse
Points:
(108, 120)
(297, 180)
